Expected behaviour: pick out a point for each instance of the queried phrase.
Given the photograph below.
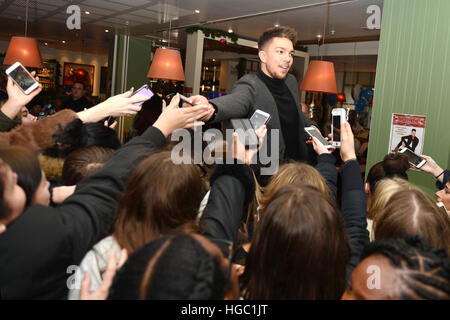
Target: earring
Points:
(2, 228)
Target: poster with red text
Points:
(407, 131)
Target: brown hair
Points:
(160, 197)
(412, 212)
(84, 162)
(299, 250)
(277, 32)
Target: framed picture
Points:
(75, 72)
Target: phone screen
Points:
(259, 119)
(336, 128)
(413, 158)
(144, 92)
(22, 78)
(313, 132)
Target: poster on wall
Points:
(407, 131)
(75, 72)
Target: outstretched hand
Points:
(173, 117)
(103, 290)
(430, 166)
(246, 154)
(200, 100)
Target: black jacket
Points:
(38, 248)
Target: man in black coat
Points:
(410, 141)
(272, 90)
(77, 101)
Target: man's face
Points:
(444, 196)
(413, 133)
(77, 91)
(277, 57)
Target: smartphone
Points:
(338, 117)
(416, 160)
(259, 118)
(144, 92)
(442, 207)
(313, 132)
(168, 98)
(22, 78)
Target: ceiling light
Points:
(46, 43)
(197, 11)
(230, 30)
(106, 30)
(319, 36)
(276, 25)
(87, 12)
(63, 41)
(214, 60)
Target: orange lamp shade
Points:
(320, 77)
(166, 65)
(24, 50)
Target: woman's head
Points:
(84, 162)
(412, 212)
(182, 267)
(31, 178)
(160, 197)
(406, 268)
(291, 173)
(299, 250)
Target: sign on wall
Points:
(407, 131)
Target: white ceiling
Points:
(152, 17)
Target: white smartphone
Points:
(22, 78)
(413, 158)
(338, 117)
(313, 132)
(259, 118)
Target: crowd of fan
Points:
(125, 222)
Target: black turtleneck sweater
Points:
(287, 112)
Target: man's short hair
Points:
(413, 130)
(277, 32)
(82, 83)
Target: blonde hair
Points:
(385, 189)
(289, 173)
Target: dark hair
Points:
(414, 130)
(77, 135)
(3, 97)
(25, 163)
(171, 267)
(413, 212)
(83, 162)
(423, 271)
(277, 32)
(160, 197)
(299, 250)
(4, 210)
(393, 165)
(80, 82)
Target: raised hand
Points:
(103, 290)
(246, 154)
(173, 118)
(347, 143)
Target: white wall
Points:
(71, 56)
(346, 49)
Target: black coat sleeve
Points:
(354, 212)
(232, 188)
(88, 214)
(326, 167)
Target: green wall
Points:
(138, 64)
(413, 77)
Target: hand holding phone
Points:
(259, 118)
(22, 78)
(413, 158)
(314, 132)
(338, 117)
(143, 92)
